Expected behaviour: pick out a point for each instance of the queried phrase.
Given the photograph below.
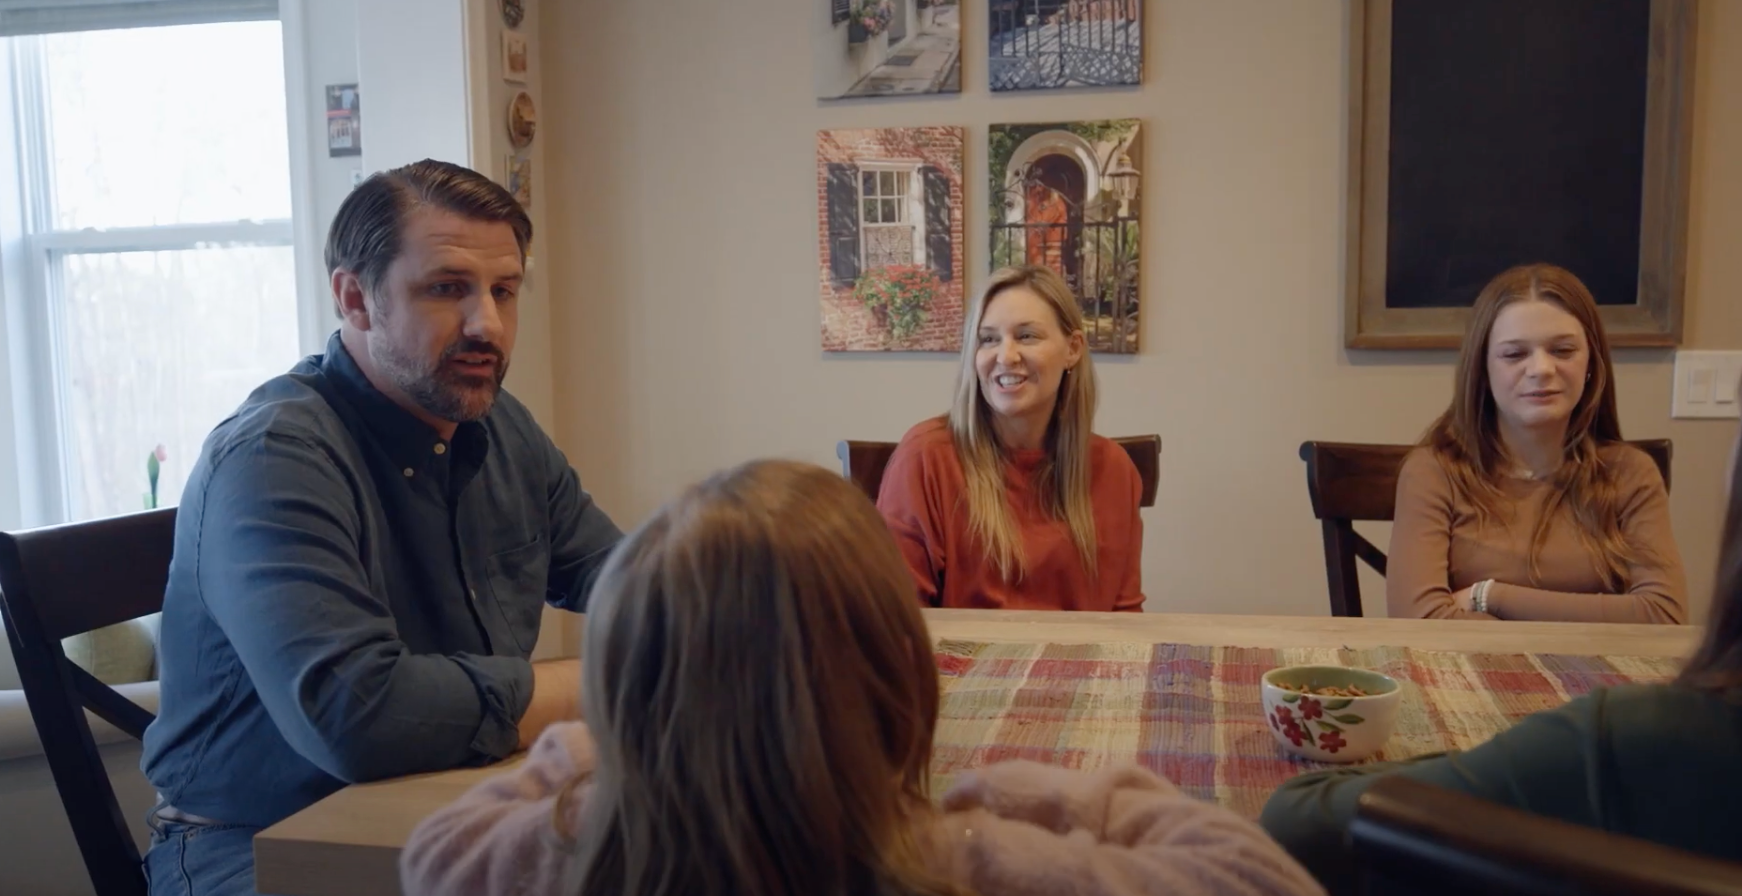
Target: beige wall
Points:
(681, 269)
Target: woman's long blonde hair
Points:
(1062, 480)
(1466, 438)
(763, 693)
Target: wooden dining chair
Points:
(1350, 482)
(863, 463)
(1411, 837)
(61, 581)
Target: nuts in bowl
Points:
(1330, 713)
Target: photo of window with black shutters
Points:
(889, 213)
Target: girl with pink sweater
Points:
(760, 696)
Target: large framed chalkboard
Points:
(1488, 133)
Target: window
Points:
(156, 244)
(884, 213)
(886, 220)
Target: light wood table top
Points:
(348, 844)
(1463, 635)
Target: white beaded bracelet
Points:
(1479, 595)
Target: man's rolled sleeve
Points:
(505, 691)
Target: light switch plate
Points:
(1705, 384)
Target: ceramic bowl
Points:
(1328, 728)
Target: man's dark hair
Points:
(365, 236)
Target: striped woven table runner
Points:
(1192, 713)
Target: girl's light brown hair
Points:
(1466, 438)
(761, 686)
(1062, 480)
(1717, 665)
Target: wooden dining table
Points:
(348, 844)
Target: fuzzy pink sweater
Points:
(1013, 829)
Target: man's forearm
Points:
(556, 697)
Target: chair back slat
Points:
(1418, 838)
(1353, 482)
(101, 560)
(61, 581)
(864, 462)
(1368, 552)
(107, 704)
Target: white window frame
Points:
(913, 209)
(30, 251)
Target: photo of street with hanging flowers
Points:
(865, 48)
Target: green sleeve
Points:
(1543, 765)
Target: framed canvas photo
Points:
(1482, 137)
(1066, 196)
(1049, 44)
(871, 48)
(889, 247)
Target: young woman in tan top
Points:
(1660, 762)
(1523, 502)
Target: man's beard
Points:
(439, 389)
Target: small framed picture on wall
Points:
(517, 177)
(522, 120)
(514, 61)
(344, 121)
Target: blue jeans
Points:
(200, 860)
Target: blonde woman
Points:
(1011, 501)
(761, 697)
(1523, 502)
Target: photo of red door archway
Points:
(1065, 196)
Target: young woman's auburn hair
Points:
(1466, 438)
(1062, 481)
(1717, 664)
(762, 690)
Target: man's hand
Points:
(556, 697)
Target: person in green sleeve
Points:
(1658, 762)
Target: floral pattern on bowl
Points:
(1330, 729)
